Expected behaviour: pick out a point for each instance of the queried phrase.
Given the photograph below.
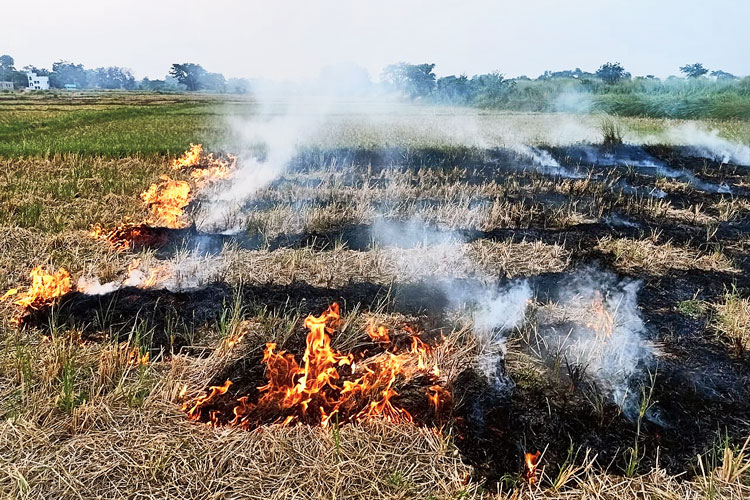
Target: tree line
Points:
(185, 76)
(420, 81)
(415, 81)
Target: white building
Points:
(37, 82)
(6, 85)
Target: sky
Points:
(294, 40)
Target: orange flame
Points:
(438, 396)
(318, 389)
(378, 334)
(214, 392)
(532, 462)
(205, 168)
(44, 289)
(191, 157)
(134, 356)
(167, 201)
(603, 323)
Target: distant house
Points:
(71, 86)
(6, 85)
(37, 82)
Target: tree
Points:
(611, 73)
(723, 75)
(66, 73)
(415, 80)
(490, 89)
(114, 77)
(693, 70)
(214, 82)
(7, 63)
(454, 89)
(239, 86)
(189, 74)
(7, 68)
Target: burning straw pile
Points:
(329, 386)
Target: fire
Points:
(167, 201)
(532, 462)
(603, 323)
(191, 157)
(378, 334)
(214, 392)
(133, 355)
(44, 290)
(327, 385)
(438, 397)
(205, 168)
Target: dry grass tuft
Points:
(733, 320)
(634, 255)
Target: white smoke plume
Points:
(495, 312)
(597, 328)
(185, 271)
(709, 144)
(266, 143)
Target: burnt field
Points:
(398, 321)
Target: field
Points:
(507, 284)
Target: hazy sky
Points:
(288, 39)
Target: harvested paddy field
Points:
(323, 304)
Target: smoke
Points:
(544, 163)
(573, 102)
(266, 144)
(630, 155)
(411, 233)
(708, 144)
(185, 271)
(495, 311)
(596, 328)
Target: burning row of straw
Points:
(166, 202)
(168, 199)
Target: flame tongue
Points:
(44, 289)
(191, 157)
(205, 167)
(532, 462)
(167, 201)
(603, 322)
(318, 375)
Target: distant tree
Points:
(568, 73)
(239, 86)
(693, 70)
(169, 84)
(7, 68)
(7, 63)
(611, 73)
(38, 71)
(114, 77)
(67, 73)
(189, 74)
(454, 89)
(723, 75)
(490, 89)
(214, 82)
(415, 80)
